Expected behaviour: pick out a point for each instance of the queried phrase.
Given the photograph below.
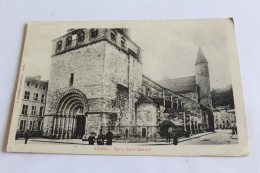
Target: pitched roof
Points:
(180, 85)
(201, 57)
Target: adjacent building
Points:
(32, 106)
(224, 117)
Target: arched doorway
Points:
(70, 121)
(144, 132)
(165, 127)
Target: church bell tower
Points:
(202, 79)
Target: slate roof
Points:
(201, 57)
(180, 85)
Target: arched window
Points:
(123, 42)
(68, 41)
(93, 33)
(59, 45)
(81, 37)
(71, 79)
(113, 35)
(144, 132)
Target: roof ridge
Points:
(177, 78)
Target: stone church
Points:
(96, 83)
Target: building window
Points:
(33, 112)
(25, 109)
(39, 126)
(43, 98)
(31, 127)
(28, 83)
(68, 41)
(35, 96)
(147, 92)
(179, 104)
(26, 95)
(22, 125)
(44, 87)
(59, 46)
(41, 111)
(175, 104)
(81, 37)
(74, 37)
(36, 85)
(71, 79)
(113, 35)
(93, 33)
(123, 42)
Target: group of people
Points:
(101, 138)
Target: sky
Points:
(168, 50)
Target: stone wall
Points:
(87, 65)
(202, 79)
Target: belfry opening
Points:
(70, 120)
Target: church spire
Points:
(201, 57)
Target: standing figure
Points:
(100, 138)
(109, 137)
(91, 138)
(235, 128)
(175, 139)
(26, 136)
(168, 135)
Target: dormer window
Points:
(68, 41)
(59, 45)
(123, 42)
(93, 33)
(81, 37)
(113, 35)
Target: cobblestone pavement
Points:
(218, 138)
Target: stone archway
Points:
(165, 127)
(70, 120)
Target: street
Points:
(217, 138)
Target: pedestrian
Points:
(26, 136)
(235, 128)
(109, 137)
(100, 138)
(175, 139)
(168, 137)
(91, 138)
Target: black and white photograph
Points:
(130, 88)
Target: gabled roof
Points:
(201, 57)
(180, 85)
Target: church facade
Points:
(96, 83)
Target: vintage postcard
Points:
(169, 87)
